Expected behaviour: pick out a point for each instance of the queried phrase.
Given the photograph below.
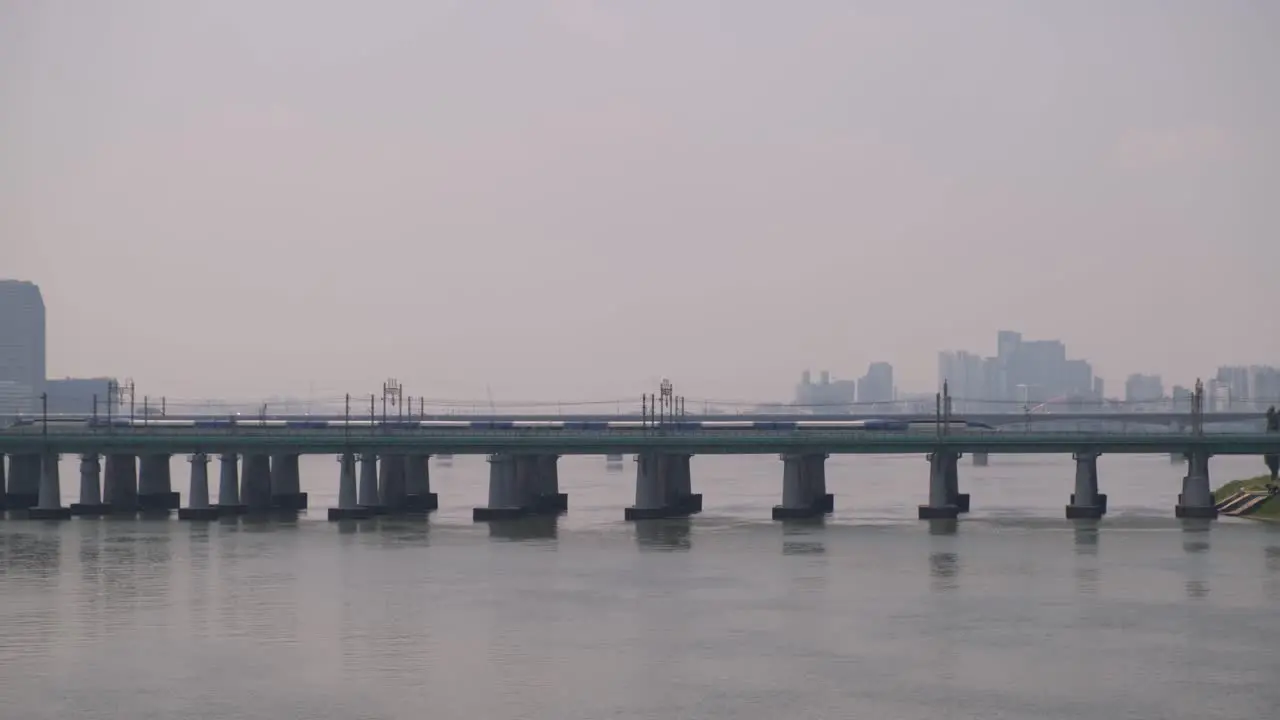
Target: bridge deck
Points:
(567, 442)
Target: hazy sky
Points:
(570, 199)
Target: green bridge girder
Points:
(568, 442)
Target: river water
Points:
(1013, 612)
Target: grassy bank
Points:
(1269, 510)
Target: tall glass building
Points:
(22, 362)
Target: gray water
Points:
(1011, 613)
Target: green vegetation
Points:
(1269, 510)
(1235, 486)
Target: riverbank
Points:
(1268, 510)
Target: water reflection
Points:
(1272, 564)
(1086, 536)
(1195, 543)
(671, 534)
(803, 537)
(37, 553)
(943, 527)
(407, 530)
(538, 527)
(944, 570)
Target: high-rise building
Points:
(22, 360)
(877, 385)
(80, 396)
(826, 395)
(1255, 386)
(966, 379)
(1140, 388)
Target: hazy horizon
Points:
(570, 200)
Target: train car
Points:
(260, 423)
(585, 425)
(831, 424)
(215, 424)
(538, 424)
(916, 426)
(163, 423)
(444, 424)
(727, 425)
(306, 424)
(626, 424)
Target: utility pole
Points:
(391, 390)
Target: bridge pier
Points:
(24, 481)
(255, 483)
(942, 498)
(664, 487)
(368, 488)
(121, 483)
(348, 506)
(229, 503)
(4, 486)
(1086, 502)
(391, 484)
(198, 507)
(952, 466)
(1177, 458)
(1196, 499)
(155, 485)
(286, 483)
(90, 504)
(547, 498)
(980, 459)
(417, 485)
(49, 505)
(804, 487)
(507, 501)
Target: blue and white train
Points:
(835, 426)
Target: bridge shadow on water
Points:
(1195, 543)
(944, 560)
(538, 527)
(669, 535)
(804, 536)
(1085, 536)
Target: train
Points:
(250, 423)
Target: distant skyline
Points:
(572, 200)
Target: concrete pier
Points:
(1196, 499)
(815, 468)
(229, 486)
(1177, 458)
(121, 483)
(255, 483)
(198, 507)
(348, 506)
(1086, 502)
(368, 488)
(417, 485)
(506, 497)
(286, 483)
(49, 505)
(942, 498)
(804, 487)
(548, 499)
(24, 481)
(391, 484)
(952, 467)
(90, 504)
(663, 487)
(155, 484)
(4, 485)
(980, 459)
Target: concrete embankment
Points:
(1250, 498)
